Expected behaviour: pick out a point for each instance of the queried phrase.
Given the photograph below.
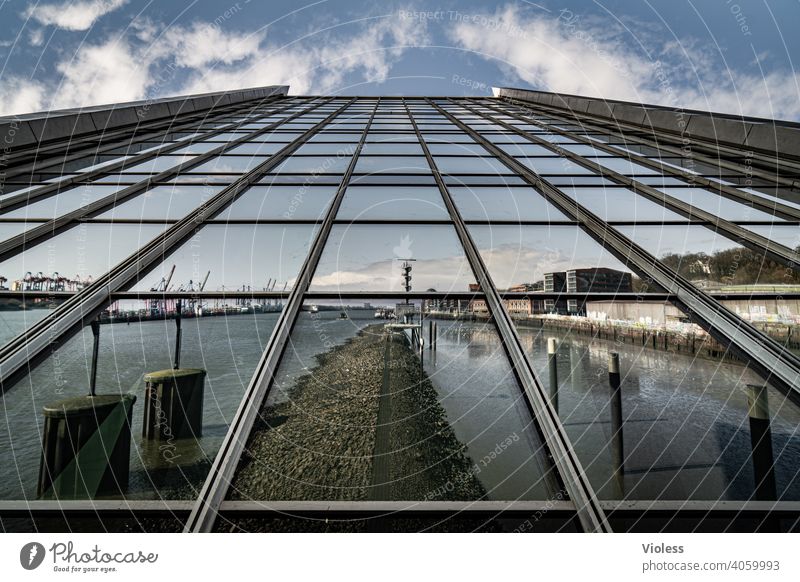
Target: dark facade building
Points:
(236, 252)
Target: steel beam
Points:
(775, 362)
(570, 470)
(47, 190)
(222, 472)
(775, 207)
(20, 354)
(739, 234)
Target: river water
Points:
(685, 427)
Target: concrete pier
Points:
(761, 442)
(617, 443)
(552, 362)
(174, 404)
(86, 447)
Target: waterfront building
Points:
(271, 231)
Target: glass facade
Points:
(402, 301)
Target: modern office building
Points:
(219, 273)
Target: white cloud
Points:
(321, 63)
(36, 37)
(150, 62)
(79, 15)
(568, 54)
(18, 94)
(202, 44)
(106, 73)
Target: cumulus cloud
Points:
(569, 54)
(19, 94)
(151, 62)
(79, 15)
(104, 73)
(320, 63)
(444, 274)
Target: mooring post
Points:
(178, 335)
(552, 359)
(761, 441)
(95, 325)
(435, 335)
(617, 445)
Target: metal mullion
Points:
(155, 129)
(227, 459)
(333, 295)
(39, 234)
(25, 349)
(566, 461)
(599, 127)
(770, 358)
(724, 190)
(750, 239)
(45, 191)
(641, 132)
(98, 137)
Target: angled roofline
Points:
(766, 135)
(31, 129)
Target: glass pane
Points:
(227, 347)
(155, 165)
(471, 165)
(89, 250)
(625, 166)
(371, 148)
(229, 164)
(281, 202)
(313, 165)
(9, 229)
(392, 202)
(256, 148)
(236, 256)
(493, 203)
(16, 315)
(621, 204)
(370, 257)
(196, 148)
(356, 415)
(392, 164)
(718, 205)
(162, 203)
(63, 202)
(549, 258)
(526, 149)
(679, 428)
(709, 260)
(554, 165)
(788, 236)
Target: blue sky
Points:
(724, 55)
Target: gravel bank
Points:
(319, 445)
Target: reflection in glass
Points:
(162, 203)
(369, 257)
(170, 469)
(709, 260)
(392, 202)
(681, 430)
(236, 257)
(358, 413)
(535, 257)
(81, 254)
(280, 203)
(63, 202)
(499, 203)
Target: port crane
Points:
(158, 306)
